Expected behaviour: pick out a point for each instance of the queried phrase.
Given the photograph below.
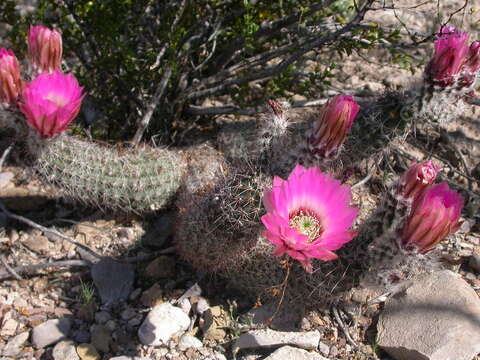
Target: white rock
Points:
(65, 350)
(268, 338)
(437, 317)
(292, 353)
(15, 344)
(5, 179)
(50, 332)
(161, 323)
(189, 341)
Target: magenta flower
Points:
(415, 180)
(433, 217)
(51, 102)
(332, 126)
(450, 51)
(45, 49)
(10, 80)
(308, 215)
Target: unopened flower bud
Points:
(10, 79)
(450, 52)
(434, 216)
(331, 127)
(45, 49)
(415, 180)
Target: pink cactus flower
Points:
(10, 80)
(433, 217)
(51, 102)
(45, 49)
(450, 51)
(415, 180)
(331, 128)
(308, 215)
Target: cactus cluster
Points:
(220, 230)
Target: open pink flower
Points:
(10, 80)
(51, 102)
(415, 180)
(450, 51)
(433, 217)
(308, 215)
(45, 49)
(331, 127)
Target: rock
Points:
(474, 263)
(128, 358)
(268, 338)
(288, 318)
(65, 350)
(101, 338)
(87, 352)
(161, 267)
(185, 305)
(15, 344)
(37, 243)
(81, 336)
(114, 281)
(127, 314)
(323, 348)
(161, 323)
(188, 341)
(102, 317)
(6, 179)
(160, 231)
(50, 332)
(152, 297)
(292, 353)
(436, 317)
(135, 294)
(9, 327)
(215, 320)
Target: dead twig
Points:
(47, 230)
(27, 268)
(10, 270)
(4, 156)
(342, 326)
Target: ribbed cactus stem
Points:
(131, 180)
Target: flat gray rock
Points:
(114, 280)
(50, 332)
(288, 317)
(437, 317)
(292, 353)
(161, 323)
(269, 338)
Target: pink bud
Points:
(433, 217)
(416, 179)
(51, 102)
(450, 52)
(45, 49)
(331, 128)
(10, 79)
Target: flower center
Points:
(306, 224)
(56, 98)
